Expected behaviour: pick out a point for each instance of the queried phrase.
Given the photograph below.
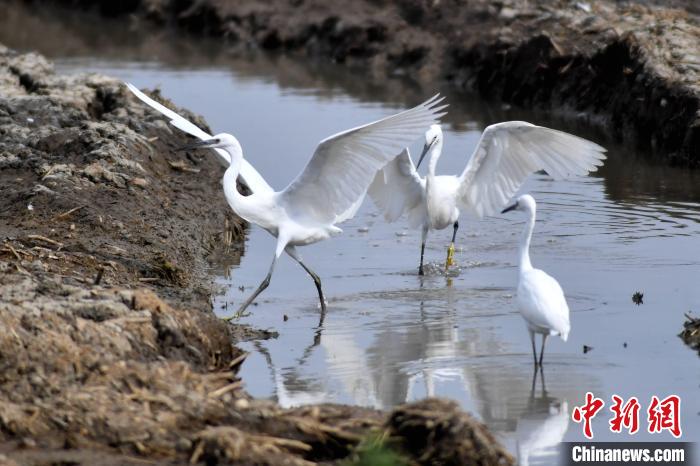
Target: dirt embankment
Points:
(629, 68)
(109, 353)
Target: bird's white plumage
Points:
(398, 188)
(540, 298)
(250, 175)
(542, 303)
(505, 156)
(509, 152)
(441, 201)
(343, 165)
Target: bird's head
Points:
(432, 137)
(525, 202)
(222, 140)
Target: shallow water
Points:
(391, 336)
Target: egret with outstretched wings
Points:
(505, 156)
(328, 191)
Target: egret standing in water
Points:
(329, 190)
(540, 298)
(505, 156)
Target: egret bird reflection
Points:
(540, 298)
(542, 427)
(505, 156)
(328, 191)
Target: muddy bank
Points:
(109, 353)
(631, 69)
(91, 185)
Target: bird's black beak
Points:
(509, 208)
(199, 144)
(426, 148)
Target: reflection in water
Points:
(540, 419)
(542, 426)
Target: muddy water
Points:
(391, 336)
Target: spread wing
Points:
(509, 152)
(343, 166)
(250, 175)
(397, 188)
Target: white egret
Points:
(540, 299)
(505, 156)
(328, 191)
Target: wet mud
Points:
(630, 68)
(109, 351)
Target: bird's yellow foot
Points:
(450, 256)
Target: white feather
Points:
(509, 152)
(542, 303)
(250, 175)
(397, 188)
(344, 165)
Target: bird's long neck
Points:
(234, 198)
(524, 252)
(435, 153)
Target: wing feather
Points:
(250, 175)
(509, 152)
(344, 165)
(397, 188)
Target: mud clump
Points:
(630, 68)
(691, 332)
(109, 351)
(438, 432)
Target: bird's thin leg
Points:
(544, 338)
(424, 237)
(422, 253)
(265, 283)
(317, 282)
(451, 249)
(534, 351)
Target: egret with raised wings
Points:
(328, 191)
(540, 298)
(505, 156)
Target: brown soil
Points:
(109, 352)
(629, 68)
